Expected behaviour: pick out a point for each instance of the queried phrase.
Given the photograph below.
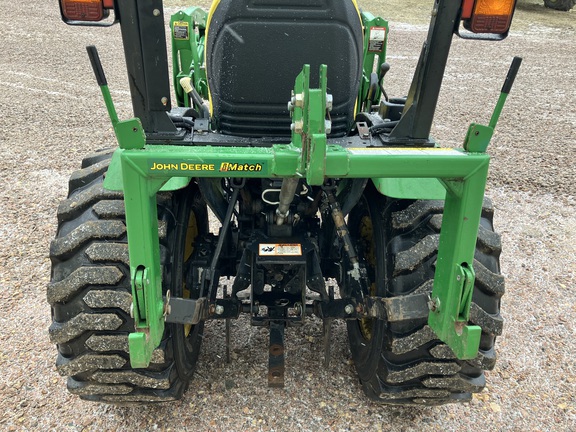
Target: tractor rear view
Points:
(330, 196)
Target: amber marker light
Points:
(489, 16)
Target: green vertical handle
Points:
(510, 77)
(101, 80)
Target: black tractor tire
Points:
(90, 294)
(561, 5)
(404, 362)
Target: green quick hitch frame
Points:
(147, 167)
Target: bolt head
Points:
(434, 304)
(329, 102)
(299, 100)
(349, 309)
(219, 310)
(297, 127)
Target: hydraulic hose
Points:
(383, 127)
(196, 98)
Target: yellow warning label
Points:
(181, 30)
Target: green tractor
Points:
(283, 183)
(561, 5)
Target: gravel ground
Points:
(51, 114)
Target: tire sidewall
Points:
(185, 348)
(366, 352)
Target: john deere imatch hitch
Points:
(314, 179)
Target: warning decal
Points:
(377, 38)
(279, 249)
(181, 30)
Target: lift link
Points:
(390, 309)
(357, 273)
(236, 185)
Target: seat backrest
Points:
(256, 48)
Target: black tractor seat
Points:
(256, 48)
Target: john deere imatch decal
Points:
(233, 166)
(181, 166)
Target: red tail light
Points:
(85, 10)
(488, 16)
